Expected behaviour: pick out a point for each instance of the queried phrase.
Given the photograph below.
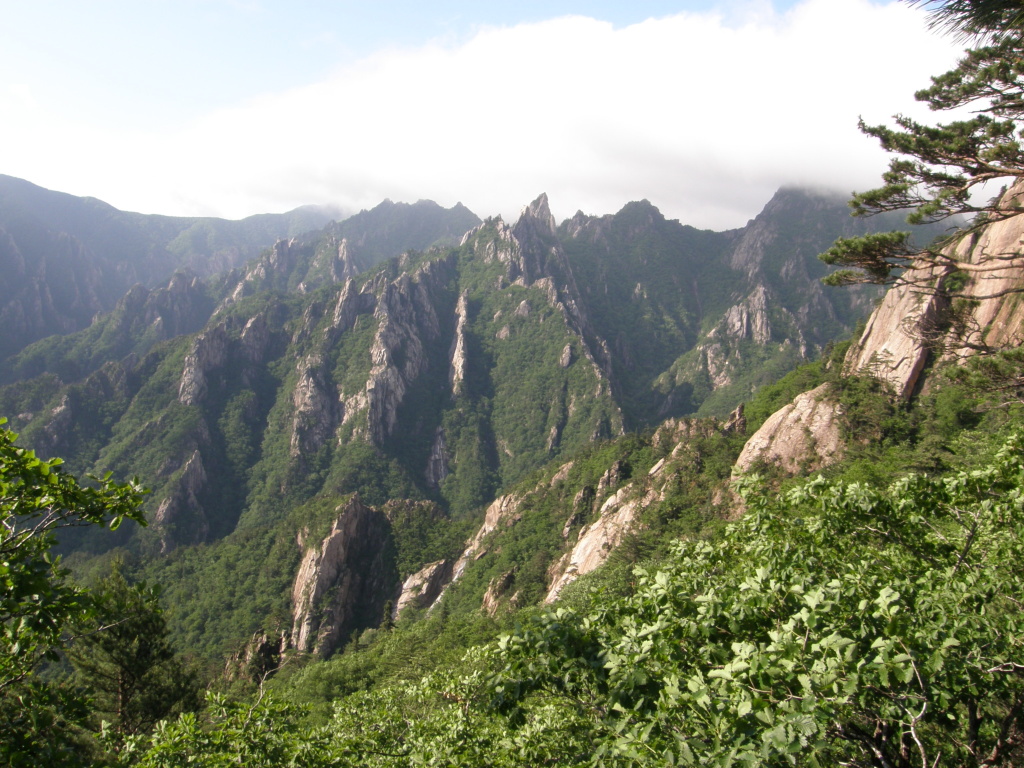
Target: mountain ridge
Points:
(441, 376)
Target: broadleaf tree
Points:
(38, 604)
(840, 625)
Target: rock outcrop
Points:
(915, 319)
(502, 512)
(893, 346)
(343, 581)
(497, 591)
(316, 408)
(181, 518)
(209, 351)
(423, 588)
(437, 462)
(803, 435)
(618, 516)
(748, 319)
(257, 659)
(271, 270)
(457, 356)
(619, 512)
(408, 323)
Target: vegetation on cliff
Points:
(335, 434)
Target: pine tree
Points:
(994, 18)
(39, 719)
(942, 170)
(124, 658)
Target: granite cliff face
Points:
(915, 324)
(343, 580)
(181, 518)
(803, 436)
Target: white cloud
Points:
(705, 117)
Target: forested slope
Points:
(442, 511)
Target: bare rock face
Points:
(908, 324)
(748, 319)
(737, 422)
(331, 263)
(503, 511)
(53, 284)
(996, 320)
(566, 359)
(617, 518)
(613, 510)
(407, 322)
(802, 435)
(180, 518)
(424, 587)
(403, 311)
(457, 356)
(611, 479)
(316, 408)
(720, 354)
(892, 346)
(619, 513)
(533, 257)
(176, 309)
(209, 350)
(497, 589)
(351, 303)
(437, 463)
(258, 659)
(275, 264)
(562, 474)
(343, 581)
(255, 338)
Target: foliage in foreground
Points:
(38, 605)
(839, 624)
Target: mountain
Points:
(947, 316)
(695, 321)
(254, 402)
(69, 258)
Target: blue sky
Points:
(233, 107)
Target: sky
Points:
(235, 107)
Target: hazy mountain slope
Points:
(695, 320)
(67, 258)
(774, 313)
(391, 228)
(144, 316)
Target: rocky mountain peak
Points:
(538, 214)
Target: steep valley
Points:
(431, 364)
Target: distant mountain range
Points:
(66, 259)
(253, 372)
